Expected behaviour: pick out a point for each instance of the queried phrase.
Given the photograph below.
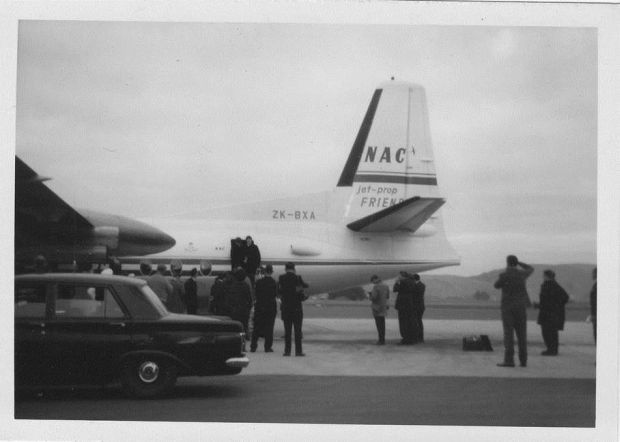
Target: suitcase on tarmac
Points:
(477, 343)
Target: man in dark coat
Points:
(551, 316)
(418, 307)
(239, 300)
(265, 310)
(251, 260)
(289, 291)
(176, 303)
(191, 293)
(237, 253)
(219, 289)
(404, 305)
(515, 301)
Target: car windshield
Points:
(151, 296)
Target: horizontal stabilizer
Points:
(408, 215)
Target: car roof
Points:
(82, 278)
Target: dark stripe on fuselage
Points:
(348, 173)
(376, 178)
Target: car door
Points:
(32, 356)
(88, 331)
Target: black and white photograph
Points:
(267, 221)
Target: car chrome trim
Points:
(241, 362)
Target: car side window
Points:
(30, 301)
(74, 301)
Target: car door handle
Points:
(118, 324)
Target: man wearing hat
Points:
(176, 303)
(551, 315)
(265, 310)
(191, 292)
(145, 270)
(290, 290)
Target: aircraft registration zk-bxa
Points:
(380, 218)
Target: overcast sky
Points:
(162, 119)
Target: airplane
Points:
(48, 226)
(381, 218)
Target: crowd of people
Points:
(513, 307)
(551, 316)
(249, 286)
(235, 294)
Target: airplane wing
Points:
(36, 204)
(408, 215)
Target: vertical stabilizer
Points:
(392, 158)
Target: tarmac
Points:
(356, 390)
(346, 347)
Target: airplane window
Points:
(30, 301)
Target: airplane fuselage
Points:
(305, 231)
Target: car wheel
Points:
(147, 377)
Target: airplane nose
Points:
(139, 238)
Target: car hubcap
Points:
(148, 372)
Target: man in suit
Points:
(404, 305)
(418, 307)
(265, 310)
(238, 299)
(176, 302)
(289, 286)
(191, 292)
(160, 284)
(515, 301)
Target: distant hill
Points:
(575, 278)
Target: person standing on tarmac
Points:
(379, 297)
(145, 270)
(418, 307)
(160, 284)
(191, 292)
(404, 305)
(239, 299)
(175, 302)
(290, 290)
(551, 315)
(265, 310)
(219, 291)
(515, 301)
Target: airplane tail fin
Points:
(390, 173)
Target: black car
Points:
(93, 329)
